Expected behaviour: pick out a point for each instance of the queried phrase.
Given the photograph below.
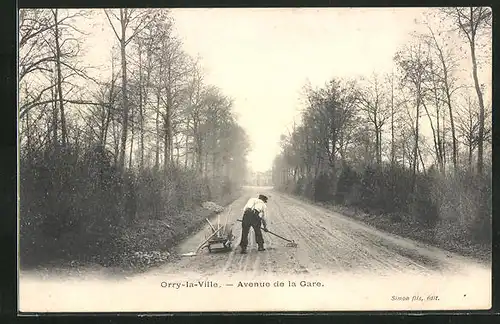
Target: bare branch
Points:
(112, 26)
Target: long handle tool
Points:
(291, 243)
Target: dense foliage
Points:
(143, 142)
(412, 146)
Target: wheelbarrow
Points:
(220, 240)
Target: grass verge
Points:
(136, 248)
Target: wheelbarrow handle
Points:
(208, 239)
(268, 231)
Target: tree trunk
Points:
(186, 147)
(443, 141)
(123, 20)
(421, 160)
(168, 135)
(131, 142)
(55, 118)
(177, 155)
(197, 145)
(157, 121)
(378, 140)
(439, 140)
(59, 79)
(28, 133)
(470, 155)
(167, 127)
(436, 134)
(109, 105)
(416, 149)
(453, 133)
(166, 157)
(445, 68)
(199, 157)
(392, 121)
(117, 143)
(141, 112)
(435, 137)
(481, 106)
(168, 120)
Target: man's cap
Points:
(263, 198)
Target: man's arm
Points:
(263, 217)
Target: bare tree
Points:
(413, 63)
(100, 116)
(136, 20)
(468, 128)
(49, 52)
(445, 82)
(373, 102)
(472, 23)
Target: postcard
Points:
(254, 159)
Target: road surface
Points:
(339, 264)
(328, 243)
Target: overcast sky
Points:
(262, 58)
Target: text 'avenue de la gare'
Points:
(242, 284)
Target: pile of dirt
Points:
(210, 205)
(144, 259)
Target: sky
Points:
(262, 58)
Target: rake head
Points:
(291, 244)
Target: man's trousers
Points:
(251, 219)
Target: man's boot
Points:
(261, 248)
(243, 250)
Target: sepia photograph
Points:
(254, 159)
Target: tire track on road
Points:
(360, 236)
(351, 254)
(312, 238)
(300, 264)
(248, 256)
(378, 251)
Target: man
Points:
(254, 214)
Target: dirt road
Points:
(328, 243)
(339, 264)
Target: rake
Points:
(291, 243)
